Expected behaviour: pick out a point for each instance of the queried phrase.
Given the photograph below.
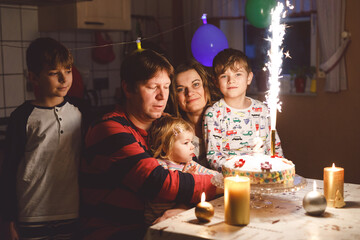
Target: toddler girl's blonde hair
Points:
(163, 132)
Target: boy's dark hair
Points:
(47, 51)
(141, 66)
(227, 59)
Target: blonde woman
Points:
(192, 91)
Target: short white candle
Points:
(237, 200)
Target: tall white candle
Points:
(237, 200)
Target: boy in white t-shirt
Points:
(236, 124)
(39, 181)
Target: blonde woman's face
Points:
(183, 149)
(190, 92)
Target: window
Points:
(299, 40)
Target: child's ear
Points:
(33, 78)
(216, 82)
(250, 78)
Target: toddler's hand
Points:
(189, 169)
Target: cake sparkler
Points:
(277, 30)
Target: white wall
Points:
(19, 26)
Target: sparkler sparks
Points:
(277, 30)
(287, 55)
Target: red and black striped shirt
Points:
(118, 175)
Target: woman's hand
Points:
(168, 214)
(219, 191)
(13, 233)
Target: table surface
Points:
(285, 219)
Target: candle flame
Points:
(314, 186)
(203, 197)
(333, 166)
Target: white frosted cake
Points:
(260, 169)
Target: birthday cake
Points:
(261, 169)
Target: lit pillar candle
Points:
(334, 186)
(237, 200)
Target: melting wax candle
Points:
(237, 200)
(314, 202)
(204, 211)
(334, 186)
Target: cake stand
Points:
(258, 190)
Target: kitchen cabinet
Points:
(92, 15)
(38, 2)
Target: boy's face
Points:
(53, 83)
(233, 83)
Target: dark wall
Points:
(318, 131)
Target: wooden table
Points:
(286, 220)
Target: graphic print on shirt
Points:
(230, 131)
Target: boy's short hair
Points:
(162, 134)
(227, 59)
(140, 66)
(47, 51)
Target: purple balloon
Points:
(208, 41)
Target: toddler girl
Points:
(170, 140)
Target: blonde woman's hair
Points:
(162, 135)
